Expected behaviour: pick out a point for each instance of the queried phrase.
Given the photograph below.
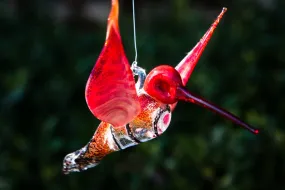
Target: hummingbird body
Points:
(152, 121)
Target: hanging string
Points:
(140, 72)
(135, 37)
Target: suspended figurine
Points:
(132, 113)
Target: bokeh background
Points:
(48, 48)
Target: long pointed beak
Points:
(184, 95)
(187, 65)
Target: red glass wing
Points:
(110, 90)
(187, 65)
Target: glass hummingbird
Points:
(132, 113)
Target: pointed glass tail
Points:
(187, 96)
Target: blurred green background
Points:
(48, 49)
